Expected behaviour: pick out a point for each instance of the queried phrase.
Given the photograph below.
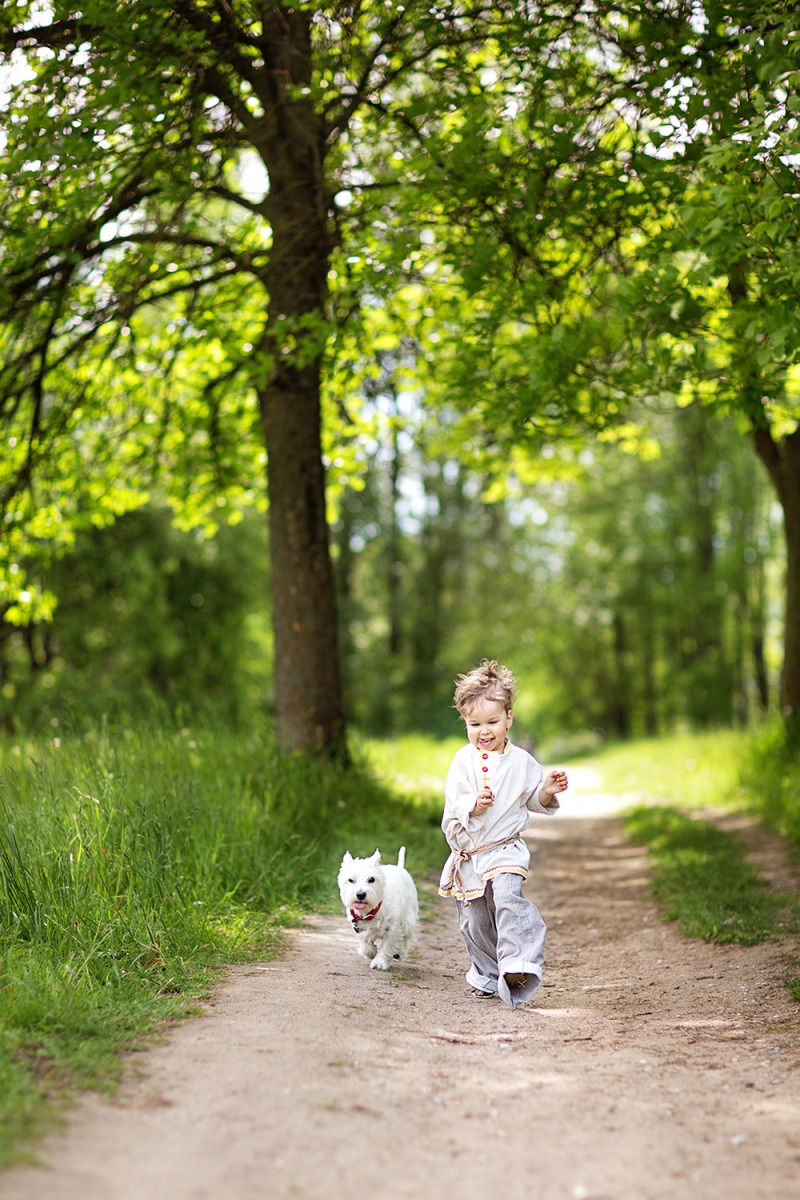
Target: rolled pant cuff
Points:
(518, 995)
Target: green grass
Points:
(704, 882)
(699, 770)
(771, 778)
(135, 861)
(414, 763)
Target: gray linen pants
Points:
(504, 933)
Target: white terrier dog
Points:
(381, 903)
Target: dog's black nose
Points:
(361, 895)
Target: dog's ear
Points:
(376, 858)
(348, 858)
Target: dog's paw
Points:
(380, 962)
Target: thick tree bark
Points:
(782, 460)
(309, 703)
(309, 708)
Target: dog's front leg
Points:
(385, 950)
(366, 946)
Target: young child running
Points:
(491, 789)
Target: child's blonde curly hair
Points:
(489, 681)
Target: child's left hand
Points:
(555, 782)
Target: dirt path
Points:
(646, 1067)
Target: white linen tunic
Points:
(515, 778)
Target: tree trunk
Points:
(757, 604)
(308, 688)
(620, 698)
(426, 629)
(394, 571)
(782, 460)
(648, 660)
(709, 691)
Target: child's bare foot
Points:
(516, 978)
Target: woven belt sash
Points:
(453, 881)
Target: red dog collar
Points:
(356, 917)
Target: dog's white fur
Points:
(365, 885)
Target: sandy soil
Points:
(647, 1066)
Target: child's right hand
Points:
(484, 800)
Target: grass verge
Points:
(704, 882)
(770, 777)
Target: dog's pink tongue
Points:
(359, 904)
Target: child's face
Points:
(487, 724)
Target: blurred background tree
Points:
(147, 612)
